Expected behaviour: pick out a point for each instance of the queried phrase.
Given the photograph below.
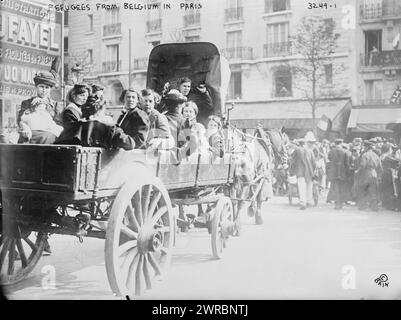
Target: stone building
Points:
(255, 36)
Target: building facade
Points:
(255, 36)
(379, 67)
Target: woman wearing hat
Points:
(215, 136)
(44, 82)
(133, 120)
(390, 164)
(174, 102)
(77, 98)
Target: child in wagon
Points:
(39, 124)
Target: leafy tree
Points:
(315, 41)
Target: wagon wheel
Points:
(139, 237)
(222, 226)
(20, 251)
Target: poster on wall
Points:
(30, 37)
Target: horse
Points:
(253, 175)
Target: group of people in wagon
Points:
(183, 119)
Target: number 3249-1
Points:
(321, 5)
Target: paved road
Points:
(319, 253)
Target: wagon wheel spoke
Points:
(127, 246)
(156, 197)
(31, 244)
(128, 261)
(138, 279)
(4, 250)
(155, 265)
(132, 218)
(159, 213)
(145, 201)
(146, 273)
(138, 206)
(128, 232)
(132, 268)
(11, 258)
(21, 251)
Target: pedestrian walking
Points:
(369, 173)
(303, 167)
(338, 169)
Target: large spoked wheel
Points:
(139, 237)
(223, 225)
(20, 251)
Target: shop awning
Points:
(373, 119)
(294, 114)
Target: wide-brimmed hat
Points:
(175, 96)
(97, 87)
(45, 77)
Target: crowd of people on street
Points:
(182, 118)
(365, 173)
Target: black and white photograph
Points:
(200, 150)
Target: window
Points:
(65, 44)
(90, 18)
(192, 38)
(277, 33)
(373, 45)
(234, 39)
(328, 73)
(154, 18)
(90, 56)
(66, 18)
(276, 5)
(282, 80)
(112, 16)
(235, 85)
(112, 52)
(373, 91)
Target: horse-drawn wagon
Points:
(124, 197)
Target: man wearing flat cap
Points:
(337, 173)
(44, 82)
(368, 176)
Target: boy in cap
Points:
(44, 82)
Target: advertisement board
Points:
(30, 38)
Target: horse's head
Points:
(244, 166)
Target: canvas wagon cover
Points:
(199, 61)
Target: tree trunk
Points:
(314, 128)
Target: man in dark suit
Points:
(338, 171)
(303, 167)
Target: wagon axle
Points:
(150, 240)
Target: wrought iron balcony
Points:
(154, 25)
(112, 29)
(388, 58)
(242, 53)
(380, 9)
(140, 64)
(234, 14)
(111, 66)
(277, 49)
(192, 19)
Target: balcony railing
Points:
(382, 59)
(112, 29)
(140, 64)
(243, 53)
(234, 14)
(111, 66)
(380, 9)
(192, 19)
(154, 25)
(277, 49)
